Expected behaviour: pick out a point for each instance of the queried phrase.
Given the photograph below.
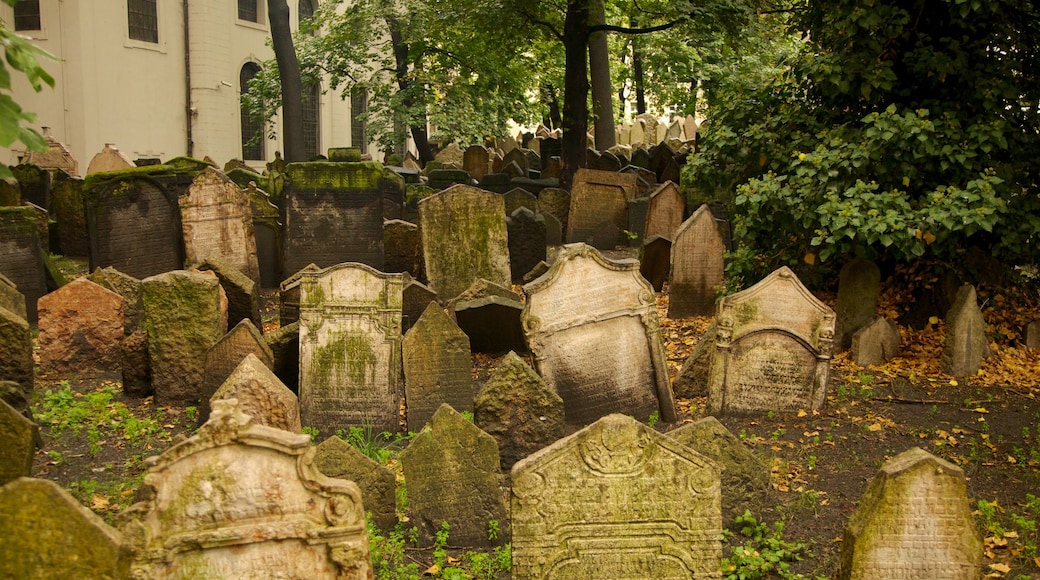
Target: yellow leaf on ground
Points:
(1037, 561)
(802, 413)
(99, 502)
(933, 320)
(432, 570)
(1000, 567)
(875, 427)
(810, 259)
(953, 382)
(980, 410)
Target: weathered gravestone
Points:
(616, 496)
(336, 458)
(350, 348)
(858, 284)
(527, 241)
(489, 314)
(654, 261)
(476, 161)
(403, 248)
(452, 472)
(267, 231)
(966, 343)
(284, 343)
(914, 521)
(16, 351)
(10, 194)
(57, 156)
(1032, 335)
(261, 395)
(81, 328)
(637, 212)
(393, 185)
(697, 266)
(464, 239)
(333, 214)
(875, 343)
(591, 324)
(646, 180)
(415, 297)
(126, 286)
(11, 299)
(67, 210)
(224, 357)
(519, 410)
(135, 365)
(452, 154)
(241, 500)
(518, 197)
(217, 222)
(437, 367)
(289, 296)
(692, 379)
(48, 534)
(772, 348)
(110, 158)
(557, 203)
(183, 318)
(553, 230)
(21, 255)
(243, 292)
(599, 207)
(19, 436)
(666, 211)
(35, 184)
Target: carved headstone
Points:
(858, 285)
(224, 357)
(875, 343)
(527, 241)
(239, 500)
(772, 348)
(592, 326)
(666, 211)
(217, 221)
(616, 496)
(22, 255)
(81, 327)
(966, 343)
(599, 207)
(914, 521)
(57, 157)
(437, 367)
(350, 348)
(16, 350)
(110, 158)
(697, 266)
(336, 458)
(261, 395)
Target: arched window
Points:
(27, 15)
(311, 136)
(252, 129)
(143, 20)
(304, 12)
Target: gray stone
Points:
(81, 327)
(403, 248)
(637, 212)
(226, 355)
(666, 211)
(875, 343)
(289, 296)
(654, 261)
(616, 496)
(557, 203)
(697, 275)
(415, 297)
(126, 286)
(267, 230)
(217, 222)
(518, 197)
(16, 354)
(476, 161)
(35, 184)
(966, 343)
(692, 379)
(11, 299)
(243, 294)
(19, 435)
(285, 348)
(261, 395)
(553, 230)
(527, 241)
(858, 285)
(489, 314)
(334, 457)
(67, 210)
(22, 255)
(437, 367)
(599, 207)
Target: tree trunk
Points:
(404, 85)
(637, 74)
(575, 89)
(552, 120)
(289, 77)
(599, 72)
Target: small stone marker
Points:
(240, 500)
(654, 261)
(19, 436)
(437, 367)
(261, 395)
(226, 355)
(452, 471)
(592, 326)
(697, 266)
(599, 207)
(350, 348)
(665, 214)
(217, 221)
(616, 496)
(48, 534)
(772, 348)
(875, 343)
(527, 241)
(489, 314)
(519, 410)
(966, 343)
(858, 286)
(914, 521)
(16, 350)
(336, 458)
(81, 327)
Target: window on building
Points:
(27, 15)
(144, 20)
(358, 106)
(252, 129)
(305, 12)
(249, 10)
(311, 136)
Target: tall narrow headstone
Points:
(21, 255)
(654, 258)
(527, 241)
(334, 457)
(437, 367)
(261, 395)
(616, 496)
(698, 267)
(350, 348)
(267, 231)
(67, 210)
(217, 221)
(476, 161)
(858, 285)
(81, 328)
(556, 202)
(403, 248)
(966, 343)
(243, 292)
(666, 211)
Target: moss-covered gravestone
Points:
(966, 343)
(415, 297)
(403, 247)
(267, 229)
(598, 213)
(16, 354)
(243, 293)
(334, 457)
(19, 444)
(527, 241)
(697, 265)
(289, 296)
(217, 222)
(225, 356)
(11, 298)
(67, 210)
(616, 496)
(914, 521)
(22, 255)
(437, 367)
(261, 395)
(126, 286)
(81, 328)
(48, 534)
(556, 202)
(285, 348)
(183, 319)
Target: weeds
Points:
(764, 553)
(390, 560)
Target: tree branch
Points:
(543, 23)
(627, 30)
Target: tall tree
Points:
(599, 78)
(289, 80)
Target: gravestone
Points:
(772, 348)
(34, 183)
(11, 298)
(243, 292)
(599, 207)
(858, 286)
(516, 156)
(336, 458)
(489, 314)
(440, 179)
(217, 222)
(134, 364)
(637, 212)
(654, 258)
(57, 156)
(110, 158)
(452, 470)
(333, 214)
(261, 395)
(1032, 335)
(518, 197)
(647, 180)
(16, 350)
(402, 247)
(284, 343)
(289, 296)
(616, 496)
(641, 158)
(67, 210)
(666, 211)
(875, 343)
(692, 378)
(19, 435)
(464, 239)
(344, 154)
(476, 161)
(664, 164)
(437, 367)
(239, 500)
(22, 255)
(183, 318)
(350, 348)
(226, 355)
(527, 242)
(557, 203)
(496, 182)
(415, 297)
(452, 154)
(914, 521)
(393, 186)
(745, 479)
(519, 410)
(126, 286)
(10, 194)
(698, 268)
(267, 231)
(81, 327)
(966, 343)
(591, 324)
(48, 534)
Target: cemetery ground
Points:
(95, 440)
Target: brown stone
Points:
(81, 327)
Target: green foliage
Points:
(96, 411)
(379, 447)
(764, 554)
(390, 562)
(23, 57)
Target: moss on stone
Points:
(346, 352)
(332, 175)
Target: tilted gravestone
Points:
(666, 211)
(350, 348)
(692, 379)
(437, 367)
(81, 328)
(654, 261)
(261, 395)
(217, 222)
(183, 318)
(289, 296)
(284, 343)
(11, 299)
(489, 314)
(772, 348)
(616, 496)
(875, 343)
(267, 231)
(592, 326)
(21, 255)
(19, 435)
(555, 202)
(16, 350)
(224, 357)
(403, 248)
(966, 343)
(243, 293)
(67, 210)
(238, 500)
(48, 534)
(35, 184)
(336, 458)
(464, 239)
(415, 297)
(698, 268)
(519, 410)
(598, 212)
(333, 214)
(452, 471)
(858, 284)
(527, 241)
(914, 521)
(126, 286)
